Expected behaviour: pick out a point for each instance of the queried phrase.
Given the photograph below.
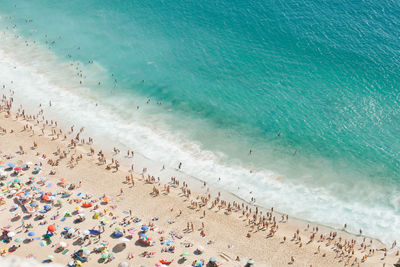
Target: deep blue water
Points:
(323, 74)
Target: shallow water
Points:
(311, 88)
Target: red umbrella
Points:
(17, 169)
(51, 228)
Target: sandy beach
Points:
(78, 187)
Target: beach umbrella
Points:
(142, 235)
(17, 169)
(33, 204)
(144, 228)
(123, 264)
(71, 231)
(86, 252)
(63, 244)
(17, 186)
(250, 261)
(11, 234)
(31, 234)
(18, 239)
(200, 248)
(13, 191)
(6, 229)
(11, 165)
(104, 255)
(185, 254)
(86, 232)
(17, 180)
(50, 257)
(63, 180)
(213, 259)
(67, 214)
(94, 232)
(124, 239)
(47, 207)
(51, 228)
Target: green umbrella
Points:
(104, 256)
(50, 256)
(18, 239)
(185, 254)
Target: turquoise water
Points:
(231, 75)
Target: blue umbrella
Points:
(31, 234)
(144, 228)
(118, 234)
(94, 232)
(212, 259)
(17, 180)
(142, 235)
(47, 207)
(33, 204)
(11, 165)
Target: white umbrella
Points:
(123, 264)
(11, 234)
(71, 231)
(86, 232)
(63, 244)
(201, 248)
(124, 239)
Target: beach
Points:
(175, 215)
(199, 134)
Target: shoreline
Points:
(285, 229)
(73, 92)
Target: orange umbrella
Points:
(106, 199)
(63, 180)
(46, 197)
(51, 228)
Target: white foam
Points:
(39, 76)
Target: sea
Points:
(294, 103)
